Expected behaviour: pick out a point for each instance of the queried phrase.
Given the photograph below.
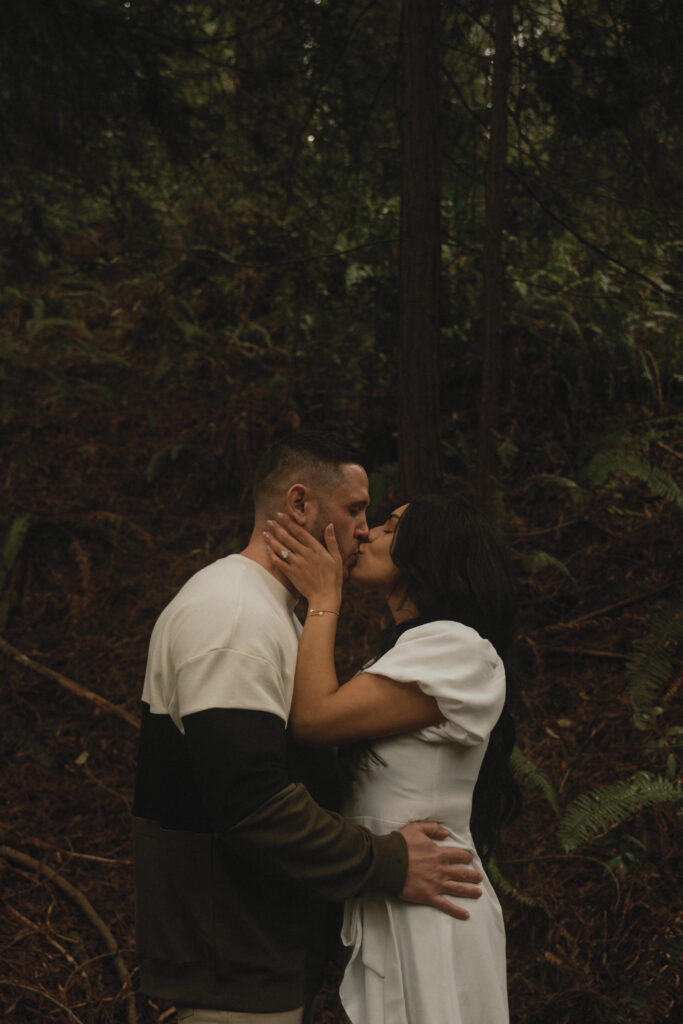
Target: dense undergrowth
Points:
(194, 259)
(136, 397)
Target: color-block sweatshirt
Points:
(234, 859)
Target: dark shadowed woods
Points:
(203, 208)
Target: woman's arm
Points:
(368, 705)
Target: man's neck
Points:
(257, 552)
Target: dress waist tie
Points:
(368, 928)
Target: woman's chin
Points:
(356, 576)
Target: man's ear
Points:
(298, 505)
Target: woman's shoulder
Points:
(434, 649)
(459, 668)
(444, 633)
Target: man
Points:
(234, 860)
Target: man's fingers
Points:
(461, 874)
(432, 829)
(456, 855)
(461, 891)
(452, 909)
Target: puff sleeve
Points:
(459, 668)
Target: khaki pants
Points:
(239, 1017)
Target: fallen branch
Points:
(597, 613)
(77, 968)
(102, 703)
(44, 995)
(84, 904)
(585, 652)
(51, 848)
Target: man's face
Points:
(345, 506)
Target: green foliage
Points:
(198, 235)
(18, 741)
(507, 453)
(382, 482)
(566, 486)
(627, 461)
(650, 663)
(629, 855)
(159, 459)
(527, 772)
(10, 548)
(539, 561)
(595, 813)
(504, 886)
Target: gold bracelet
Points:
(324, 611)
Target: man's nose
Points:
(362, 530)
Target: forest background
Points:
(201, 242)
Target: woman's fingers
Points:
(278, 555)
(290, 535)
(283, 536)
(309, 564)
(290, 528)
(331, 542)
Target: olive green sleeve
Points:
(320, 849)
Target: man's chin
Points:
(351, 563)
(352, 572)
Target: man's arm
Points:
(238, 760)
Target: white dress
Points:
(414, 964)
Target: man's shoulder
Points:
(228, 582)
(224, 572)
(232, 602)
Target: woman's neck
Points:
(401, 607)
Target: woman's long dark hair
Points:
(453, 566)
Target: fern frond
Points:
(528, 773)
(629, 462)
(564, 483)
(649, 665)
(11, 546)
(503, 885)
(540, 560)
(595, 813)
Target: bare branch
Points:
(86, 906)
(81, 691)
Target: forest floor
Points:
(592, 934)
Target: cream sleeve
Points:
(459, 668)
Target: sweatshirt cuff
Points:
(391, 862)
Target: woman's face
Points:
(374, 566)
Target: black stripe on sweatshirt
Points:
(229, 762)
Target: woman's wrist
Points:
(329, 602)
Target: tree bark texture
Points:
(493, 255)
(419, 435)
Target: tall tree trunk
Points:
(493, 255)
(419, 435)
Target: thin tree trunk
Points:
(493, 255)
(419, 434)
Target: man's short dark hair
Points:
(309, 452)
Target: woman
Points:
(429, 704)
